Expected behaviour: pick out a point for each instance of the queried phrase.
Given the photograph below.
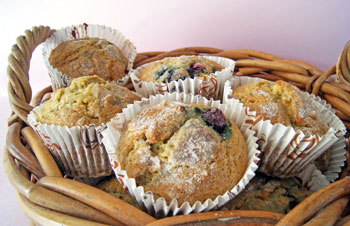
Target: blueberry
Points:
(214, 118)
(195, 69)
(160, 73)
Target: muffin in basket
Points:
(179, 153)
(270, 194)
(184, 152)
(294, 127)
(71, 120)
(85, 50)
(176, 68)
(204, 75)
(89, 56)
(111, 185)
(281, 102)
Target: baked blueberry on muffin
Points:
(269, 194)
(89, 56)
(88, 100)
(179, 68)
(188, 152)
(281, 102)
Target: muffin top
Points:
(281, 102)
(269, 194)
(189, 152)
(88, 100)
(89, 56)
(175, 68)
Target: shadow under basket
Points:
(48, 198)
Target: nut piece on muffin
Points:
(188, 152)
(88, 100)
(269, 194)
(89, 56)
(178, 68)
(281, 102)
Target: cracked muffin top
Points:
(281, 102)
(89, 56)
(88, 100)
(178, 68)
(188, 152)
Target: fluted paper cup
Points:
(145, 199)
(78, 150)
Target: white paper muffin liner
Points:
(78, 150)
(209, 86)
(312, 178)
(286, 152)
(60, 80)
(159, 207)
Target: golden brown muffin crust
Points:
(281, 102)
(171, 150)
(89, 56)
(175, 68)
(88, 100)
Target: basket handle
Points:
(19, 90)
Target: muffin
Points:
(293, 127)
(179, 153)
(204, 75)
(112, 186)
(176, 68)
(71, 121)
(89, 56)
(269, 194)
(89, 100)
(281, 102)
(187, 152)
(88, 49)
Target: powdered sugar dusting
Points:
(153, 122)
(269, 110)
(196, 145)
(146, 158)
(191, 162)
(260, 92)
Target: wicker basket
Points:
(49, 199)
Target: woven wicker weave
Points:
(49, 199)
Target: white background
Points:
(314, 31)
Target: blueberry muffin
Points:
(178, 68)
(188, 152)
(281, 102)
(88, 100)
(89, 56)
(269, 194)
